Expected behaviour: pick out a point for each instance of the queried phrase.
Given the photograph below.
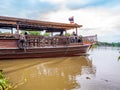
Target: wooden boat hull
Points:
(44, 52)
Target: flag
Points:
(71, 19)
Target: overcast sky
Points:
(101, 17)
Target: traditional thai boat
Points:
(12, 46)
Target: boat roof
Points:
(34, 25)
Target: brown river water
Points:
(98, 71)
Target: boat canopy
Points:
(34, 25)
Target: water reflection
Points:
(47, 74)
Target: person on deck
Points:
(75, 37)
(74, 34)
(25, 35)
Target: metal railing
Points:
(90, 39)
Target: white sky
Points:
(101, 17)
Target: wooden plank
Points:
(8, 43)
(43, 52)
(7, 22)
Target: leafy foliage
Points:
(35, 33)
(4, 83)
(47, 34)
(119, 58)
(67, 34)
(113, 44)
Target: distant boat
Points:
(12, 46)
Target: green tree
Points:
(67, 34)
(35, 33)
(46, 34)
(119, 58)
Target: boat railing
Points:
(6, 36)
(30, 41)
(90, 39)
(42, 41)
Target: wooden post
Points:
(51, 33)
(17, 28)
(76, 31)
(11, 30)
(65, 32)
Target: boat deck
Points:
(57, 46)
